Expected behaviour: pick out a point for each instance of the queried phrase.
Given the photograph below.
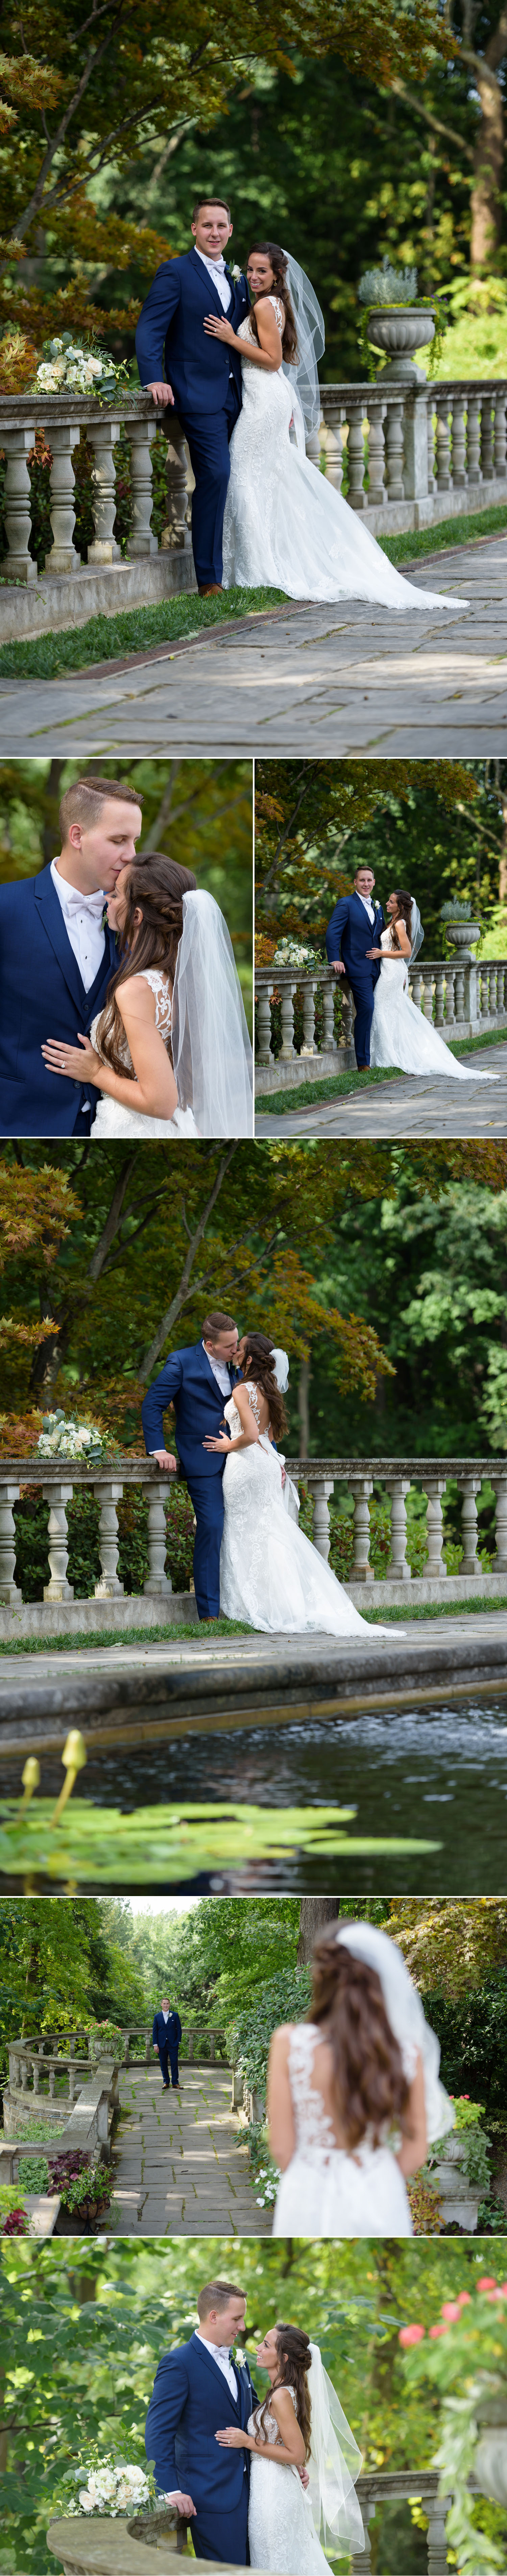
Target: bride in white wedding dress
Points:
(270, 1573)
(169, 1053)
(284, 524)
(301, 2422)
(400, 1033)
(354, 2097)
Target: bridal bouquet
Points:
(63, 1437)
(106, 2485)
(67, 366)
(292, 952)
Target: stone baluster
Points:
(501, 971)
(416, 986)
(348, 1016)
(376, 452)
(330, 1043)
(35, 2074)
(312, 444)
(431, 445)
(51, 2080)
(176, 531)
(9, 1494)
(487, 439)
(398, 1570)
(474, 438)
(394, 451)
(436, 1567)
(62, 556)
(450, 992)
(427, 981)
(141, 539)
(58, 1589)
(469, 1487)
(308, 988)
(439, 996)
(72, 2081)
(444, 477)
(102, 436)
(361, 1487)
(157, 1581)
(458, 441)
(436, 2508)
(147, 2048)
(360, 2564)
(500, 449)
(334, 450)
(72, 2047)
(109, 1588)
(459, 991)
(287, 992)
(263, 1026)
(320, 1488)
(18, 564)
(191, 2037)
(212, 2046)
(356, 496)
(499, 1484)
(493, 993)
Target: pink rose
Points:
(411, 2334)
(437, 2330)
(486, 2282)
(450, 2309)
(464, 2299)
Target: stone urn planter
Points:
(401, 329)
(459, 2198)
(490, 2464)
(462, 936)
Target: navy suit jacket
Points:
(171, 326)
(42, 996)
(190, 2403)
(187, 1381)
(166, 2034)
(349, 934)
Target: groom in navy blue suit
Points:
(57, 957)
(197, 1382)
(203, 375)
(199, 2390)
(352, 932)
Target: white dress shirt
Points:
(221, 1372)
(165, 2016)
(216, 270)
(220, 2353)
(83, 922)
(368, 906)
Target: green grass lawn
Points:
(336, 1086)
(406, 548)
(158, 1635)
(132, 630)
(430, 1610)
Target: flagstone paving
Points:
(329, 680)
(182, 2159)
(408, 1106)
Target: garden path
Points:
(183, 2161)
(424, 1107)
(329, 680)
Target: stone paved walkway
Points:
(183, 2160)
(324, 680)
(417, 1107)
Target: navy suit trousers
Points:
(208, 439)
(363, 988)
(170, 2052)
(212, 2531)
(208, 1501)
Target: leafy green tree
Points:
(57, 1968)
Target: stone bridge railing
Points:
(63, 416)
(57, 1483)
(406, 2486)
(414, 453)
(38, 2063)
(462, 998)
(91, 2111)
(395, 1477)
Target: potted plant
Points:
(461, 930)
(84, 2189)
(458, 2165)
(397, 319)
(464, 2354)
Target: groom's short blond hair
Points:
(217, 2295)
(83, 802)
(217, 1323)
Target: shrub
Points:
(284, 1998)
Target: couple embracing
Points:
(258, 2480)
(120, 1005)
(376, 955)
(240, 351)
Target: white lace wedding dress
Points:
(270, 1573)
(326, 2191)
(281, 2528)
(401, 1035)
(111, 1117)
(284, 524)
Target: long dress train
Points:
(401, 1035)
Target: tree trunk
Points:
(486, 202)
(316, 1911)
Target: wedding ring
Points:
(62, 1064)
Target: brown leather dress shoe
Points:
(209, 590)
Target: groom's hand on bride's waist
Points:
(184, 2502)
(162, 393)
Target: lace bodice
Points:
(159, 985)
(231, 1414)
(245, 330)
(387, 943)
(315, 2134)
(270, 2428)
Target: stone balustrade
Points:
(463, 998)
(63, 416)
(394, 1477)
(57, 1483)
(88, 2125)
(406, 2486)
(414, 453)
(54, 2069)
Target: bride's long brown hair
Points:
(155, 886)
(257, 1364)
(404, 902)
(277, 258)
(368, 2075)
(294, 2361)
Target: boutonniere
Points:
(236, 272)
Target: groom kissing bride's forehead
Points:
(57, 956)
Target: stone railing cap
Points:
(129, 1470)
(378, 1468)
(18, 410)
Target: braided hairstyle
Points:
(278, 263)
(369, 2079)
(294, 2362)
(155, 885)
(257, 1364)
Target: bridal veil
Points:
(212, 1055)
(334, 2463)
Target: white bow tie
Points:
(93, 903)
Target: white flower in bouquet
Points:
(292, 952)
